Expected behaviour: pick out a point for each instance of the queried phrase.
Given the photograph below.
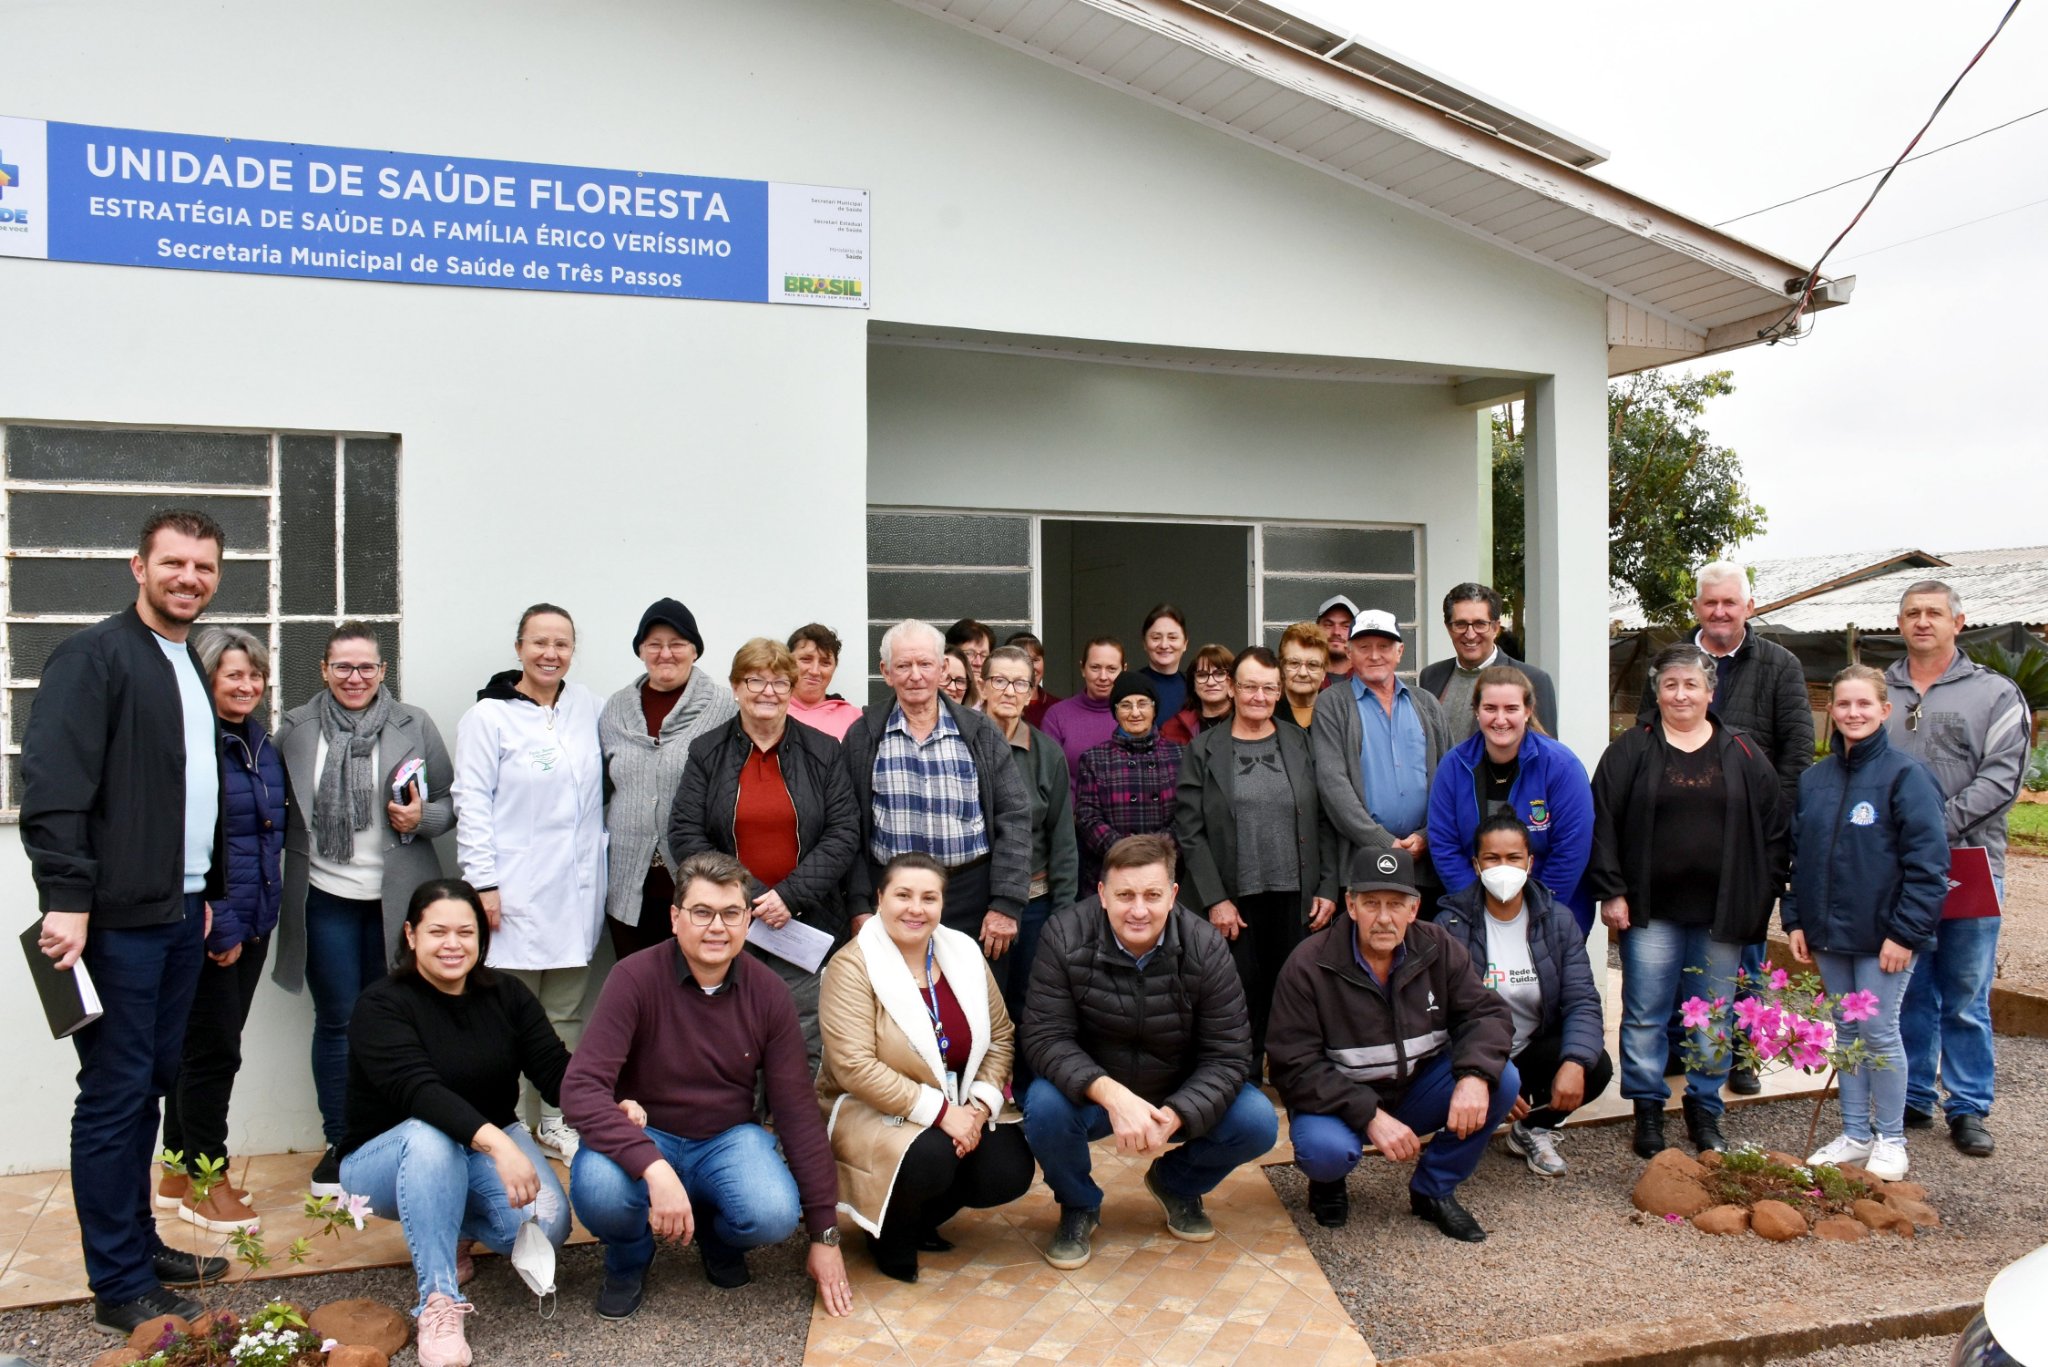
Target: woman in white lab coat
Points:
(529, 828)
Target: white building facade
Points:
(1159, 307)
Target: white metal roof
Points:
(1998, 588)
(1677, 288)
(1777, 582)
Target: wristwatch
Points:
(829, 1238)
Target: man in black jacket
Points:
(120, 817)
(1136, 1026)
(1759, 689)
(1472, 619)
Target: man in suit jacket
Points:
(1472, 617)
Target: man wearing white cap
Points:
(1335, 617)
(1376, 757)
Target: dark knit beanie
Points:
(1132, 683)
(667, 612)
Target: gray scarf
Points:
(342, 802)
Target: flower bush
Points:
(1788, 1021)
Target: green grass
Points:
(2029, 827)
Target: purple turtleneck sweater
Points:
(1079, 725)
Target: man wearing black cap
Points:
(1380, 1032)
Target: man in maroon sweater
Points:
(687, 1029)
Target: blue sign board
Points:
(117, 196)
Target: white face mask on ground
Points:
(1503, 881)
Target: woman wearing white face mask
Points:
(1528, 949)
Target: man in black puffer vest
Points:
(1760, 690)
(1136, 1026)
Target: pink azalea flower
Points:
(1696, 1014)
(1668, 1219)
(357, 1207)
(1747, 1012)
(1768, 1047)
(1809, 1057)
(1779, 979)
(1859, 1006)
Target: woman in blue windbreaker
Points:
(1869, 875)
(1507, 764)
(252, 793)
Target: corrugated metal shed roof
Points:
(2001, 587)
(1772, 582)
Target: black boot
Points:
(1649, 1129)
(1330, 1203)
(1703, 1127)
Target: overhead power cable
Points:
(1984, 132)
(1953, 227)
(1790, 322)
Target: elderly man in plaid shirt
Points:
(937, 778)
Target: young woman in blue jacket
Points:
(1507, 764)
(252, 797)
(1869, 875)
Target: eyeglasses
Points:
(348, 671)
(1304, 667)
(655, 651)
(1259, 690)
(726, 916)
(1211, 676)
(999, 684)
(775, 687)
(1913, 717)
(1470, 628)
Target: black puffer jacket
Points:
(1175, 1032)
(827, 821)
(1761, 689)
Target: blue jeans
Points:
(1875, 1094)
(741, 1194)
(345, 953)
(1946, 1019)
(441, 1192)
(1029, 926)
(1654, 957)
(1325, 1148)
(127, 1060)
(1059, 1133)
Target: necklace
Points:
(930, 995)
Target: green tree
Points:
(1675, 499)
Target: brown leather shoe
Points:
(171, 1189)
(222, 1212)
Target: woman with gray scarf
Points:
(646, 729)
(352, 854)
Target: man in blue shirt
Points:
(1375, 757)
(120, 815)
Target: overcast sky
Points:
(1916, 415)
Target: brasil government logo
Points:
(10, 176)
(821, 284)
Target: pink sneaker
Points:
(440, 1332)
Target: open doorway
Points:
(1101, 578)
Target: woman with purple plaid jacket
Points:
(1125, 786)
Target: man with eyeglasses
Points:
(1472, 618)
(934, 778)
(1970, 727)
(1381, 1033)
(1376, 745)
(690, 1031)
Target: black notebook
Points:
(69, 1001)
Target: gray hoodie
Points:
(1971, 731)
(643, 773)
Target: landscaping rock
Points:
(357, 1355)
(1789, 1160)
(1710, 1159)
(1880, 1217)
(1776, 1221)
(1920, 1213)
(118, 1357)
(1672, 1184)
(1878, 1186)
(1723, 1220)
(1912, 1191)
(367, 1323)
(148, 1333)
(1845, 1229)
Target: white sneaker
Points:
(533, 1258)
(1538, 1148)
(1887, 1160)
(1841, 1149)
(555, 1133)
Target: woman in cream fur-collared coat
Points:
(917, 1052)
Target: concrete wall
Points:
(602, 451)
